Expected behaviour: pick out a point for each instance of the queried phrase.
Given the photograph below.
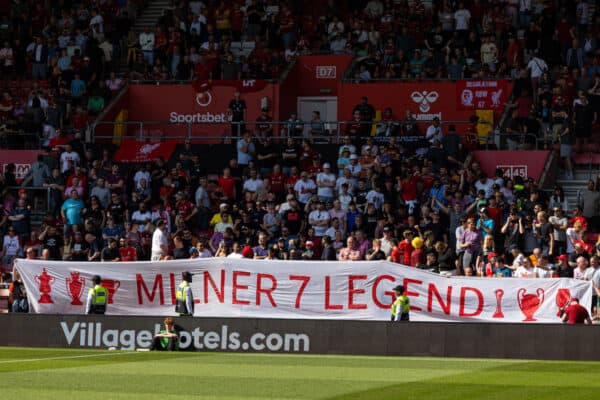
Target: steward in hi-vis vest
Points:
(400, 306)
(97, 298)
(184, 299)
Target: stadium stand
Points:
(428, 205)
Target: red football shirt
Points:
(577, 314)
(128, 253)
(227, 185)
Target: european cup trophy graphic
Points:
(45, 287)
(75, 286)
(530, 303)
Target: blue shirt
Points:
(485, 223)
(351, 220)
(260, 252)
(244, 158)
(72, 209)
(77, 87)
(64, 63)
(112, 232)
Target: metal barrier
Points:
(36, 213)
(330, 131)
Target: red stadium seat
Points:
(591, 147)
(582, 158)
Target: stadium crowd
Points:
(370, 200)
(59, 64)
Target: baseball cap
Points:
(491, 255)
(579, 243)
(309, 243)
(353, 157)
(247, 252)
(327, 165)
(22, 191)
(563, 257)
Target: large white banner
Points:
(304, 289)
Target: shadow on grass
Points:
(431, 390)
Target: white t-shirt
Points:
(319, 216)
(325, 191)
(434, 133)
(252, 185)
(537, 67)
(541, 273)
(462, 18)
(376, 198)
(142, 217)
(196, 7)
(302, 189)
(486, 186)
(572, 237)
(65, 157)
(98, 20)
(11, 244)
(158, 239)
(137, 178)
(202, 199)
(523, 272)
(147, 41)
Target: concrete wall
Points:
(527, 341)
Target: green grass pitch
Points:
(29, 373)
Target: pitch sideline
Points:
(69, 357)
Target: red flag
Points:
(134, 151)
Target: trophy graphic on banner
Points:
(563, 299)
(111, 285)
(530, 303)
(75, 285)
(498, 313)
(45, 287)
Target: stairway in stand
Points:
(581, 175)
(150, 15)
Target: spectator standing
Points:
(245, 150)
(434, 131)
(237, 108)
(536, 67)
(147, 42)
(159, 242)
(304, 188)
(71, 210)
(590, 202)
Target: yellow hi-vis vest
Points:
(400, 305)
(99, 299)
(181, 298)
